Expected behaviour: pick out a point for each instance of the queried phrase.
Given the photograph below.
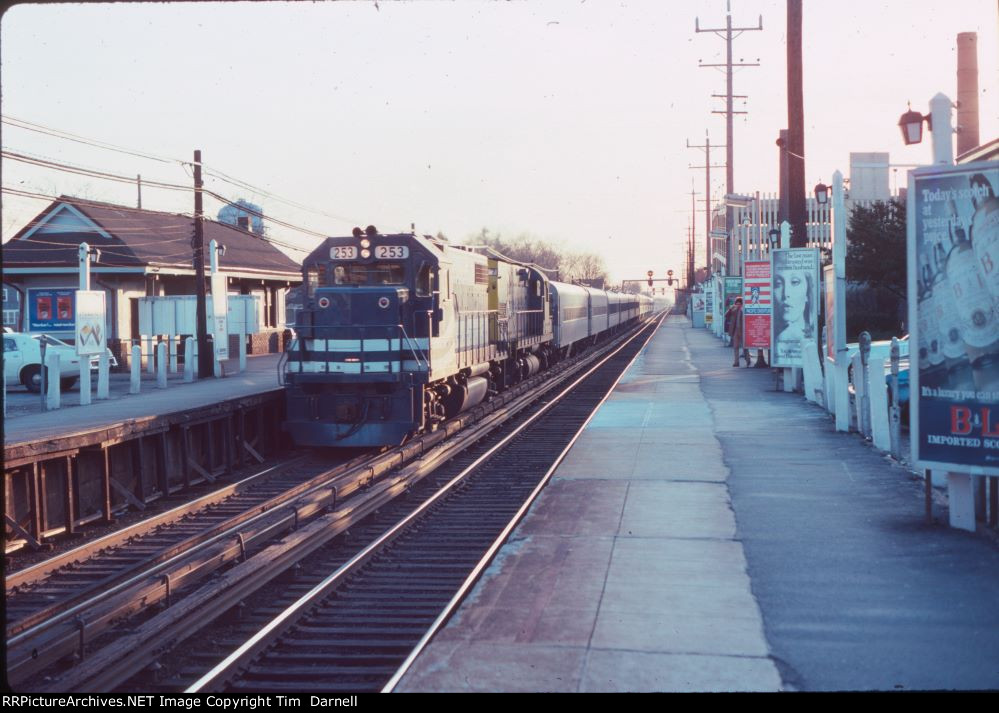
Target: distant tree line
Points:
(567, 265)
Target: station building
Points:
(143, 253)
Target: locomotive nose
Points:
(360, 305)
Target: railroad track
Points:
(215, 565)
(357, 629)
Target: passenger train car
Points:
(400, 332)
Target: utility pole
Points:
(726, 33)
(707, 193)
(795, 146)
(690, 254)
(782, 210)
(198, 243)
(691, 235)
(138, 184)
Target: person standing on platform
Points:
(733, 326)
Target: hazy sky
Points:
(565, 120)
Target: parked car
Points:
(882, 349)
(22, 360)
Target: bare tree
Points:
(569, 265)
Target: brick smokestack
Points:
(967, 92)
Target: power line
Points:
(729, 112)
(60, 134)
(91, 172)
(215, 173)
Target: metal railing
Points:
(397, 338)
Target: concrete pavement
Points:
(25, 420)
(709, 533)
(626, 575)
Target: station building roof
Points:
(133, 240)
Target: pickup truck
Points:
(22, 360)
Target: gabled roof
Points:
(129, 237)
(986, 152)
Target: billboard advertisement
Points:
(756, 305)
(953, 291)
(90, 328)
(51, 310)
(795, 303)
(697, 309)
(733, 289)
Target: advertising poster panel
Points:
(90, 331)
(51, 310)
(796, 303)
(697, 309)
(756, 305)
(733, 289)
(953, 269)
(829, 285)
(709, 305)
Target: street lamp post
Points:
(939, 122)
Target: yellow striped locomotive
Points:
(400, 332)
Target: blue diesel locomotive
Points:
(400, 332)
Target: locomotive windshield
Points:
(378, 273)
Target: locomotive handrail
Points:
(413, 346)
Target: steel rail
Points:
(279, 624)
(487, 558)
(29, 575)
(497, 409)
(354, 472)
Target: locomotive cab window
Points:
(423, 281)
(379, 273)
(311, 280)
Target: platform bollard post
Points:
(895, 413)
(103, 376)
(52, 386)
(136, 366)
(150, 361)
(863, 395)
(961, 501)
(172, 343)
(84, 381)
(161, 365)
(877, 392)
(189, 360)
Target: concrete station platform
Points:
(25, 421)
(706, 533)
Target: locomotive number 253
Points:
(391, 252)
(343, 252)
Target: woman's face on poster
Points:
(791, 292)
